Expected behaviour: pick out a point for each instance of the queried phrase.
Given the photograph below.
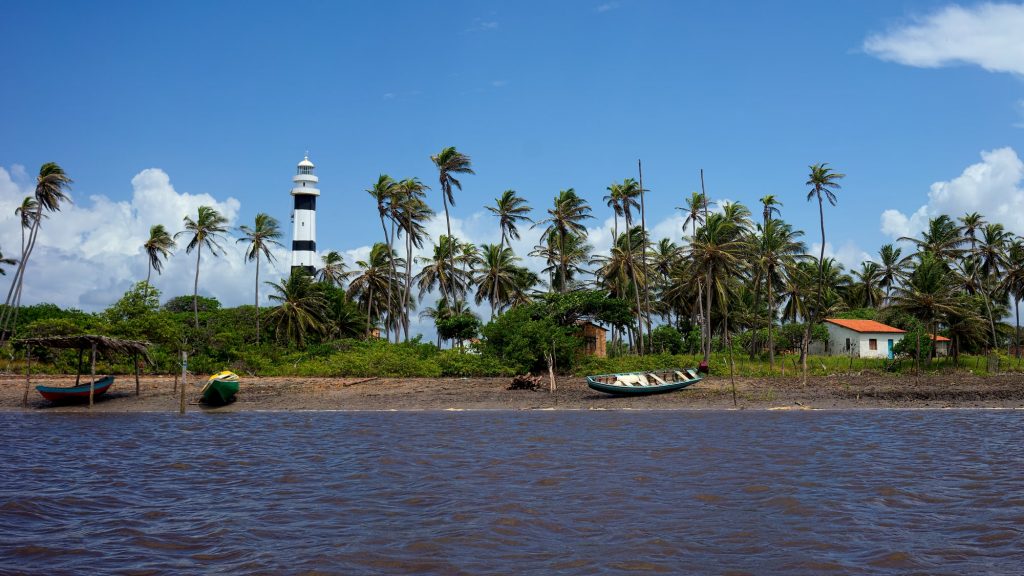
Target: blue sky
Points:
(222, 99)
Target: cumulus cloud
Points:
(90, 252)
(988, 35)
(992, 187)
(849, 254)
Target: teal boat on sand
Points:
(220, 388)
(643, 383)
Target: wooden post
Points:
(184, 370)
(92, 374)
(135, 357)
(551, 368)
(78, 375)
(28, 372)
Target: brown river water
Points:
(503, 492)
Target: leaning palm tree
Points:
(205, 230)
(450, 162)
(332, 272)
(411, 213)
(564, 219)
(261, 237)
(824, 184)
(52, 185)
(158, 248)
(6, 262)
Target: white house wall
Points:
(859, 341)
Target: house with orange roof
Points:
(941, 345)
(861, 338)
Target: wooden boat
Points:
(220, 388)
(78, 393)
(640, 383)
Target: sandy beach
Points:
(863, 391)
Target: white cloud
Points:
(499, 83)
(90, 252)
(481, 25)
(988, 35)
(992, 187)
(850, 255)
(607, 6)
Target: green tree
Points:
(332, 271)
(411, 214)
(824, 183)
(52, 185)
(206, 230)
(510, 209)
(495, 274)
(565, 218)
(261, 237)
(301, 309)
(158, 248)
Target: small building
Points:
(861, 338)
(941, 345)
(594, 339)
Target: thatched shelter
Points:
(92, 342)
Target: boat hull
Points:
(78, 393)
(220, 388)
(601, 384)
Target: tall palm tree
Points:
(332, 272)
(824, 183)
(970, 223)
(929, 294)
(630, 190)
(261, 237)
(867, 290)
(450, 162)
(696, 208)
(574, 254)
(777, 248)
(990, 253)
(206, 230)
(52, 185)
(770, 206)
(301, 309)
(411, 214)
(1013, 283)
(718, 253)
(440, 272)
(566, 218)
(942, 239)
(158, 248)
(620, 272)
(510, 209)
(384, 192)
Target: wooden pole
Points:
(28, 372)
(184, 371)
(92, 375)
(78, 375)
(135, 358)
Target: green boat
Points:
(642, 383)
(220, 388)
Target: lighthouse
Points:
(304, 191)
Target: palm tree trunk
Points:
(817, 300)
(646, 315)
(988, 309)
(387, 242)
(707, 319)
(494, 291)
(1016, 306)
(195, 286)
(149, 273)
(257, 301)
(408, 283)
(771, 326)
(369, 302)
(444, 199)
(14, 294)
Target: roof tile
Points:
(864, 325)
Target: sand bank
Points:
(856, 391)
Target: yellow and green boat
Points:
(220, 388)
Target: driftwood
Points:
(525, 382)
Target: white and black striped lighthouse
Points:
(304, 218)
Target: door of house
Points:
(890, 348)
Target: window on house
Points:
(847, 344)
(872, 344)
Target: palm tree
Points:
(384, 192)
(574, 254)
(941, 239)
(893, 268)
(301, 309)
(440, 272)
(867, 290)
(26, 211)
(374, 281)
(770, 206)
(929, 293)
(495, 274)
(450, 162)
(158, 248)
(333, 271)
(696, 209)
(411, 214)
(990, 253)
(52, 185)
(6, 262)
(1013, 283)
(619, 271)
(969, 225)
(824, 184)
(260, 237)
(718, 253)
(565, 218)
(777, 248)
(206, 229)
(510, 210)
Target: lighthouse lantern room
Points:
(305, 193)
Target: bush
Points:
(666, 339)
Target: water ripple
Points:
(511, 492)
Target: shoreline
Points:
(289, 394)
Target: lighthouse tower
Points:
(304, 218)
